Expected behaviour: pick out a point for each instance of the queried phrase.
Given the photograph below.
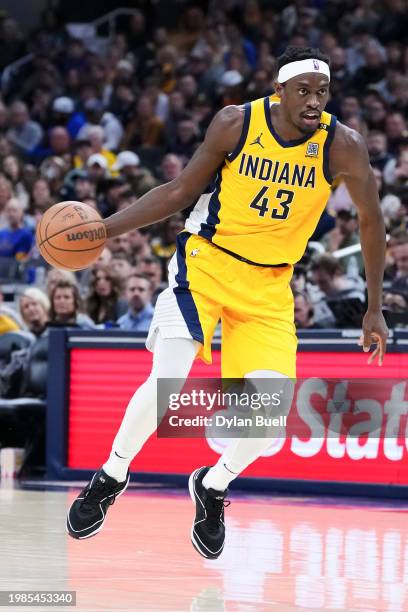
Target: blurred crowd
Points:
(103, 121)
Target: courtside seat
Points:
(13, 341)
(22, 420)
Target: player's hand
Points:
(375, 331)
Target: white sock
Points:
(218, 477)
(172, 358)
(117, 466)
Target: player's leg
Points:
(210, 485)
(87, 514)
(259, 343)
(241, 452)
(140, 419)
(183, 323)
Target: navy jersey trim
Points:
(247, 118)
(326, 149)
(279, 140)
(182, 292)
(208, 228)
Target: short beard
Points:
(305, 130)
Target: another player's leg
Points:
(209, 486)
(88, 512)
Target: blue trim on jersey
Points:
(247, 118)
(182, 292)
(208, 228)
(326, 149)
(281, 141)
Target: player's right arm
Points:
(161, 202)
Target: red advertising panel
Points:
(103, 380)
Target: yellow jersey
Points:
(269, 193)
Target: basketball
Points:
(71, 235)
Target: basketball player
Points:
(274, 161)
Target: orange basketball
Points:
(71, 235)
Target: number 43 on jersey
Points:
(261, 203)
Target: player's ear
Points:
(278, 89)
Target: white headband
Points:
(296, 68)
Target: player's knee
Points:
(273, 389)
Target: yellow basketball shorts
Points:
(254, 304)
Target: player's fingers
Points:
(382, 346)
(374, 354)
(367, 340)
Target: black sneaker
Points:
(88, 512)
(208, 530)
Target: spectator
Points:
(399, 252)
(63, 113)
(345, 295)
(121, 267)
(140, 312)
(127, 164)
(59, 142)
(16, 240)
(23, 133)
(65, 307)
(139, 244)
(112, 129)
(378, 149)
(164, 245)
(304, 311)
(350, 107)
(375, 112)
(395, 129)
(345, 234)
(12, 43)
(119, 244)
(34, 308)
(97, 168)
(328, 274)
(95, 135)
(54, 276)
(186, 140)
(9, 319)
(152, 268)
(82, 152)
(145, 129)
(111, 191)
(171, 167)
(395, 300)
(6, 192)
(13, 170)
(104, 304)
(373, 71)
(40, 196)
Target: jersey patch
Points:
(312, 149)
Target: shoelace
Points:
(93, 496)
(215, 510)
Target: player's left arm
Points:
(349, 159)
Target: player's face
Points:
(303, 100)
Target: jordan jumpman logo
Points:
(257, 141)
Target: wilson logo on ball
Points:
(91, 235)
